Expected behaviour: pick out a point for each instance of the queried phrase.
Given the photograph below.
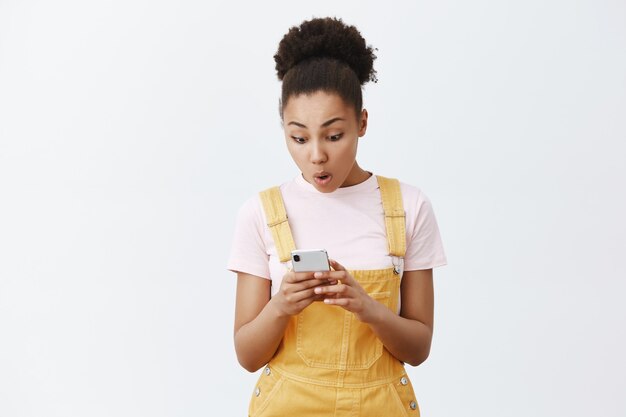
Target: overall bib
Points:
(328, 362)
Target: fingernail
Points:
(318, 290)
(318, 274)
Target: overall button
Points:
(267, 370)
(404, 381)
(413, 405)
(257, 391)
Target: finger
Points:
(297, 287)
(334, 275)
(316, 297)
(302, 276)
(311, 283)
(312, 296)
(299, 296)
(336, 265)
(333, 289)
(344, 302)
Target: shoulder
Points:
(252, 208)
(412, 196)
(250, 213)
(417, 204)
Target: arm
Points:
(407, 336)
(260, 320)
(259, 327)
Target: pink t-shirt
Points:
(349, 223)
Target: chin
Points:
(329, 188)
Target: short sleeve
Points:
(248, 252)
(424, 246)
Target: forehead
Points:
(316, 107)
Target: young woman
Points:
(333, 343)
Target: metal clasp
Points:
(398, 264)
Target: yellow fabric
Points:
(281, 396)
(276, 216)
(394, 215)
(328, 362)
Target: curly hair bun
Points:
(326, 38)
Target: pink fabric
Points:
(348, 223)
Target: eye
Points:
(298, 139)
(336, 137)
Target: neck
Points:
(356, 176)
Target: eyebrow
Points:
(325, 124)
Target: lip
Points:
(322, 178)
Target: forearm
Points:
(257, 341)
(406, 339)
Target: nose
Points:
(318, 153)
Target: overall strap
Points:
(394, 215)
(276, 216)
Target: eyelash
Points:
(333, 138)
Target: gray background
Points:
(131, 132)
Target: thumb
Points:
(336, 265)
(347, 279)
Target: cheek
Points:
(290, 145)
(296, 152)
(348, 153)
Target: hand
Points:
(297, 292)
(348, 293)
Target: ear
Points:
(363, 122)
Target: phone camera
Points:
(296, 258)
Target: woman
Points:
(333, 343)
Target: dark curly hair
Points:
(324, 54)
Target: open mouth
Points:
(322, 178)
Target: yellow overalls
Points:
(328, 362)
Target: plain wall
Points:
(132, 131)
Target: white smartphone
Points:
(312, 260)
